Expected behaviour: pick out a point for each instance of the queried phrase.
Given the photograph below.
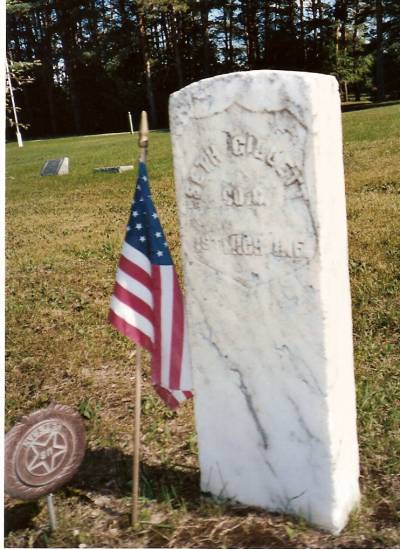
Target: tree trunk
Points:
(345, 91)
(292, 17)
(315, 31)
(344, 16)
(123, 13)
(231, 55)
(47, 65)
(226, 35)
(267, 33)
(337, 16)
(354, 39)
(357, 91)
(204, 9)
(380, 77)
(147, 69)
(175, 45)
(66, 26)
(165, 33)
(302, 34)
(253, 51)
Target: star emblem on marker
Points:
(46, 454)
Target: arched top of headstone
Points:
(253, 91)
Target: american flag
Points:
(147, 305)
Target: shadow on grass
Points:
(20, 516)
(110, 471)
(367, 105)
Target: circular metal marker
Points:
(43, 451)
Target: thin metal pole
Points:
(8, 76)
(130, 122)
(143, 144)
(52, 512)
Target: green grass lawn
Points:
(63, 239)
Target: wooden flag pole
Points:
(143, 144)
(143, 136)
(136, 440)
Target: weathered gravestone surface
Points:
(259, 174)
(55, 167)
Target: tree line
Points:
(79, 67)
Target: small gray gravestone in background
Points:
(259, 173)
(55, 167)
(114, 169)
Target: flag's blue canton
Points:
(144, 230)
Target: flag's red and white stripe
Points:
(147, 306)
(132, 304)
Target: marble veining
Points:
(260, 189)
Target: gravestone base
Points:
(260, 188)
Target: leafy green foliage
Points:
(101, 59)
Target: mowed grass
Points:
(63, 241)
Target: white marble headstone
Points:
(260, 188)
